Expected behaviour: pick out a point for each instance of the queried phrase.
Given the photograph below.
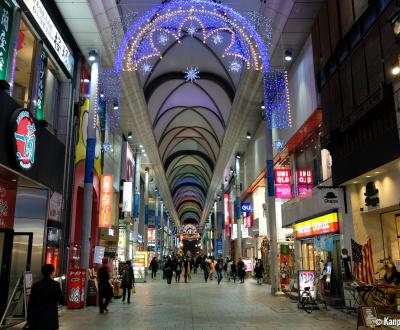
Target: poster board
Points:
(139, 265)
(98, 254)
(368, 317)
(306, 279)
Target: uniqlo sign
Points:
(105, 201)
(282, 176)
(304, 183)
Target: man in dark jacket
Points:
(43, 302)
(128, 281)
(105, 288)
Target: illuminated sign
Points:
(25, 140)
(127, 197)
(46, 24)
(227, 217)
(246, 208)
(283, 187)
(306, 280)
(304, 183)
(324, 224)
(105, 201)
(151, 239)
(140, 262)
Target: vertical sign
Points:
(127, 197)
(227, 217)
(283, 183)
(6, 18)
(8, 194)
(304, 183)
(105, 201)
(41, 85)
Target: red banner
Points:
(8, 194)
(105, 201)
(282, 176)
(227, 217)
(304, 183)
(283, 187)
(284, 269)
(76, 288)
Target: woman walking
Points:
(178, 270)
(259, 270)
(241, 270)
(154, 267)
(168, 270)
(128, 281)
(219, 268)
(186, 267)
(206, 268)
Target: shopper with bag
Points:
(128, 281)
(105, 288)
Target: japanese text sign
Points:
(324, 224)
(6, 18)
(105, 201)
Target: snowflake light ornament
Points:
(217, 39)
(192, 74)
(146, 67)
(163, 39)
(235, 66)
(191, 30)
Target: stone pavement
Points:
(199, 305)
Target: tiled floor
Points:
(199, 305)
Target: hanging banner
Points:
(8, 194)
(6, 21)
(283, 187)
(105, 201)
(284, 270)
(227, 217)
(41, 86)
(127, 163)
(127, 197)
(304, 183)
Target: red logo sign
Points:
(282, 176)
(25, 140)
(304, 183)
(283, 188)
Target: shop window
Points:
(24, 65)
(52, 96)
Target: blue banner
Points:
(136, 203)
(219, 246)
(238, 208)
(146, 215)
(156, 221)
(270, 178)
(89, 163)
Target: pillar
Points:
(136, 201)
(89, 166)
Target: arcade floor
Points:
(199, 305)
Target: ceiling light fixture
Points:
(92, 55)
(288, 56)
(237, 156)
(146, 170)
(396, 70)
(248, 136)
(130, 135)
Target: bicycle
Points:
(308, 302)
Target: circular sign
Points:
(24, 138)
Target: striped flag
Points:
(363, 265)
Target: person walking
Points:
(219, 268)
(168, 269)
(178, 270)
(241, 270)
(128, 281)
(186, 267)
(259, 271)
(154, 268)
(105, 288)
(43, 302)
(212, 268)
(206, 268)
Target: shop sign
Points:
(98, 254)
(139, 265)
(151, 240)
(50, 31)
(249, 220)
(331, 198)
(140, 238)
(121, 244)
(304, 183)
(41, 86)
(234, 231)
(283, 187)
(8, 194)
(246, 208)
(127, 197)
(248, 265)
(306, 279)
(324, 224)
(219, 246)
(105, 201)
(6, 21)
(25, 140)
(128, 163)
(227, 217)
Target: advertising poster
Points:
(283, 185)
(151, 240)
(127, 197)
(121, 244)
(55, 205)
(284, 268)
(306, 279)
(75, 288)
(8, 193)
(98, 254)
(139, 265)
(248, 265)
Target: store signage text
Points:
(25, 140)
(282, 176)
(283, 187)
(227, 217)
(304, 183)
(43, 19)
(127, 197)
(325, 224)
(6, 20)
(105, 201)
(246, 208)
(41, 86)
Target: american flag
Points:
(363, 266)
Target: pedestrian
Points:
(259, 271)
(154, 268)
(128, 281)
(178, 270)
(168, 270)
(206, 268)
(186, 267)
(195, 264)
(241, 270)
(212, 268)
(219, 268)
(233, 271)
(104, 285)
(43, 302)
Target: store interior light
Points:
(288, 56)
(92, 55)
(396, 70)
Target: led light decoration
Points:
(279, 145)
(235, 66)
(163, 39)
(121, 24)
(146, 67)
(192, 74)
(263, 24)
(217, 39)
(192, 30)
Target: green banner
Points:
(6, 17)
(41, 86)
